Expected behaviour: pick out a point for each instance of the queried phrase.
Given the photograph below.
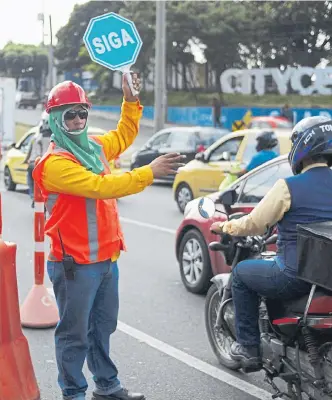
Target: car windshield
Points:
(250, 149)
(207, 137)
(182, 139)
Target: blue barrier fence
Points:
(202, 116)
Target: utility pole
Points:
(50, 55)
(41, 18)
(160, 94)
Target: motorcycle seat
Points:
(298, 305)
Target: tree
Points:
(71, 52)
(218, 26)
(289, 33)
(181, 28)
(70, 37)
(144, 15)
(17, 60)
(236, 34)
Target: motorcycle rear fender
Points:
(221, 281)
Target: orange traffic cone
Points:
(17, 377)
(39, 310)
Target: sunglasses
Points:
(70, 115)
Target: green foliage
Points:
(23, 60)
(293, 33)
(70, 37)
(230, 34)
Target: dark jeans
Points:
(88, 308)
(252, 278)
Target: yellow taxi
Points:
(15, 172)
(204, 174)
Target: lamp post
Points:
(160, 94)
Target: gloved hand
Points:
(216, 227)
(136, 84)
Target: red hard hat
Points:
(64, 93)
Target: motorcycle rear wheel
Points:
(219, 340)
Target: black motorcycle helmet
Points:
(311, 139)
(266, 140)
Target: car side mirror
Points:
(226, 156)
(228, 198)
(148, 146)
(200, 156)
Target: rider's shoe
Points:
(121, 394)
(249, 356)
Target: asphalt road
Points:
(160, 347)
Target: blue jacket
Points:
(311, 201)
(260, 158)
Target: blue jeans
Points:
(88, 308)
(252, 278)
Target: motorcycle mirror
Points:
(228, 198)
(206, 207)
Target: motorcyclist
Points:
(37, 148)
(266, 141)
(300, 199)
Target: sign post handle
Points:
(128, 74)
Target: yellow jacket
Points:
(65, 176)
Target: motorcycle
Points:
(296, 335)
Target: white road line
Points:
(146, 225)
(192, 362)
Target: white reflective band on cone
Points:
(39, 247)
(39, 207)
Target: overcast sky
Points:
(19, 23)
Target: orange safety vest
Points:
(90, 229)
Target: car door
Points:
(18, 169)
(153, 148)
(213, 171)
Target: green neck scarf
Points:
(84, 149)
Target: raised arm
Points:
(117, 141)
